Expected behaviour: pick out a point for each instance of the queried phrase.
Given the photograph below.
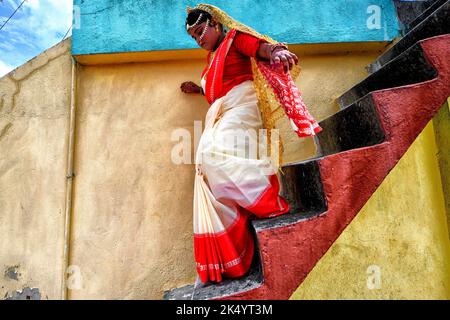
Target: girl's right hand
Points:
(190, 87)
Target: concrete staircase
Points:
(380, 117)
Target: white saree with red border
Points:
(233, 183)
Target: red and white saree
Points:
(232, 183)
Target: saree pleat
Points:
(230, 188)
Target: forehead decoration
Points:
(188, 27)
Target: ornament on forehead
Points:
(204, 30)
(188, 27)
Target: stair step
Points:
(301, 178)
(408, 68)
(434, 24)
(253, 280)
(356, 126)
(209, 291)
(432, 6)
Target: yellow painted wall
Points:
(402, 229)
(442, 129)
(34, 108)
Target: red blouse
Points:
(238, 67)
(232, 66)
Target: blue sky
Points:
(37, 26)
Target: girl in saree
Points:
(249, 82)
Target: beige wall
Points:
(132, 232)
(34, 104)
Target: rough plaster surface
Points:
(34, 105)
(25, 294)
(132, 232)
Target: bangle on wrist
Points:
(277, 47)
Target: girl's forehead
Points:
(199, 26)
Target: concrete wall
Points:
(400, 235)
(110, 26)
(34, 107)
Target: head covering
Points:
(277, 93)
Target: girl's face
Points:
(206, 36)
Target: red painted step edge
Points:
(350, 178)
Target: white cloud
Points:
(32, 3)
(37, 26)
(47, 20)
(4, 68)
